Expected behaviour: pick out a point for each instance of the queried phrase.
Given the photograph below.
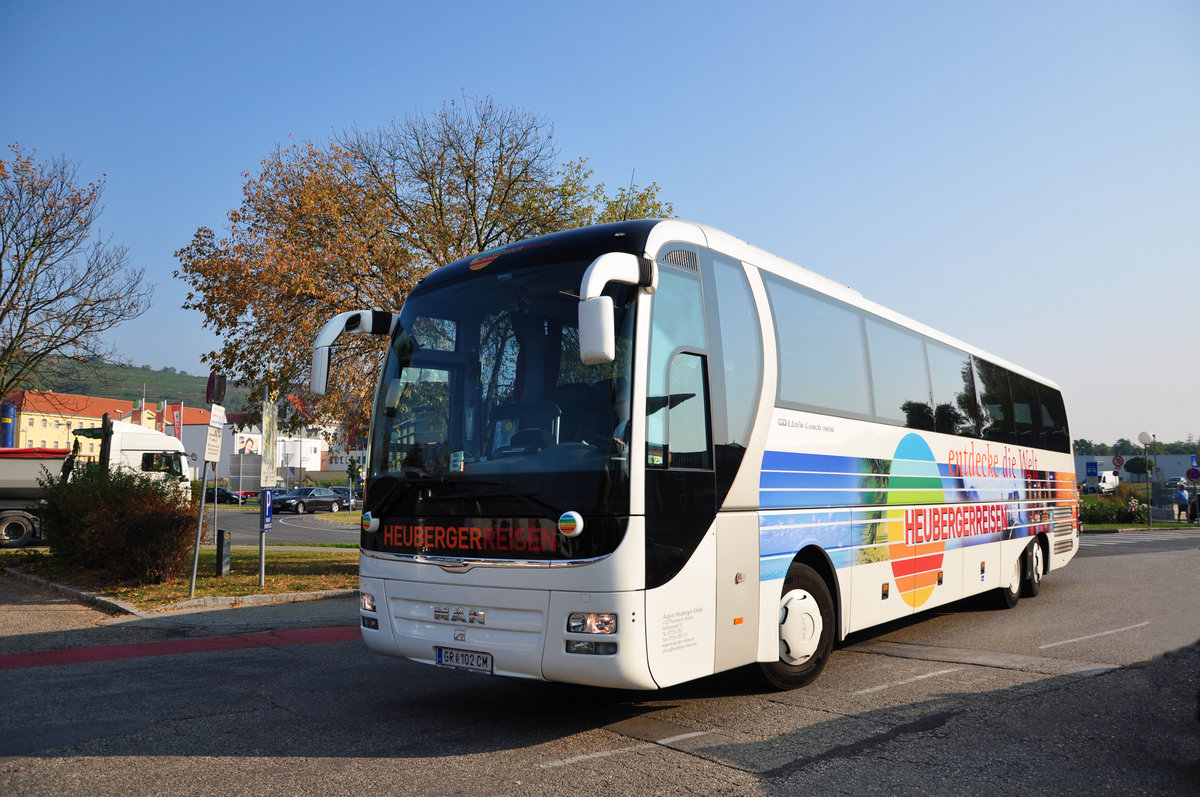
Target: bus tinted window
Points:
(687, 417)
(899, 377)
(677, 323)
(954, 409)
(1026, 414)
(1055, 434)
(995, 403)
(741, 343)
(822, 358)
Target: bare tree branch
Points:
(62, 285)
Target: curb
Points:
(114, 606)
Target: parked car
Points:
(308, 499)
(349, 499)
(223, 496)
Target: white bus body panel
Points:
(681, 619)
(860, 491)
(525, 630)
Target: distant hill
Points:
(130, 382)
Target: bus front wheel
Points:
(805, 630)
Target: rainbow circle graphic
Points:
(570, 524)
(915, 479)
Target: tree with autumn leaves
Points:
(355, 223)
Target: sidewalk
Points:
(243, 613)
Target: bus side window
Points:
(1027, 415)
(677, 324)
(995, 402)
(954, 407)
(687, 421)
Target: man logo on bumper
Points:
(459, 615)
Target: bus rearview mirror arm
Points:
(597, 331)
(368, 322)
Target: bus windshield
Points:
(484, 400)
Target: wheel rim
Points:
(11, 530)
(1035, 565)
(800, 627)
(1014, 577)
(299, 509)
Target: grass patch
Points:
(285, 571)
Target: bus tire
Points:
(1034, 569)
(805, 630)
(1010, 593)
(15, 531)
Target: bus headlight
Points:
(592, 623)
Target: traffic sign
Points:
(212, 446)
(1093, 469)
(267, 506)
(1194, 474)
(1118, 461)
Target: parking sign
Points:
(266, 510)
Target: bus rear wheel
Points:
(805, 630)
(1014, 576)
(1034, 568)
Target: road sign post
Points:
(264, 525)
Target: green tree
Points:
(1139, 466)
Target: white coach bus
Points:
(636, 454)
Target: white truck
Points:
(131, 446)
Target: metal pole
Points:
(199, 526)
(1149, 493)
(262, 558)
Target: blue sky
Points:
(1022, 175)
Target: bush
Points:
(133, 526)
(1097, 509)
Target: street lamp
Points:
(1147, 440)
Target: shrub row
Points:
(130, 525)
(1097, 509)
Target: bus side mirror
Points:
(370, 322)
(597, 327)
(319, 380)
(597, 331)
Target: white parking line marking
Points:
(590, 756)
(905, 681)
(606, 753)
(682, 736)
(1093, 636)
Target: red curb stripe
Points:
(270, 639)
